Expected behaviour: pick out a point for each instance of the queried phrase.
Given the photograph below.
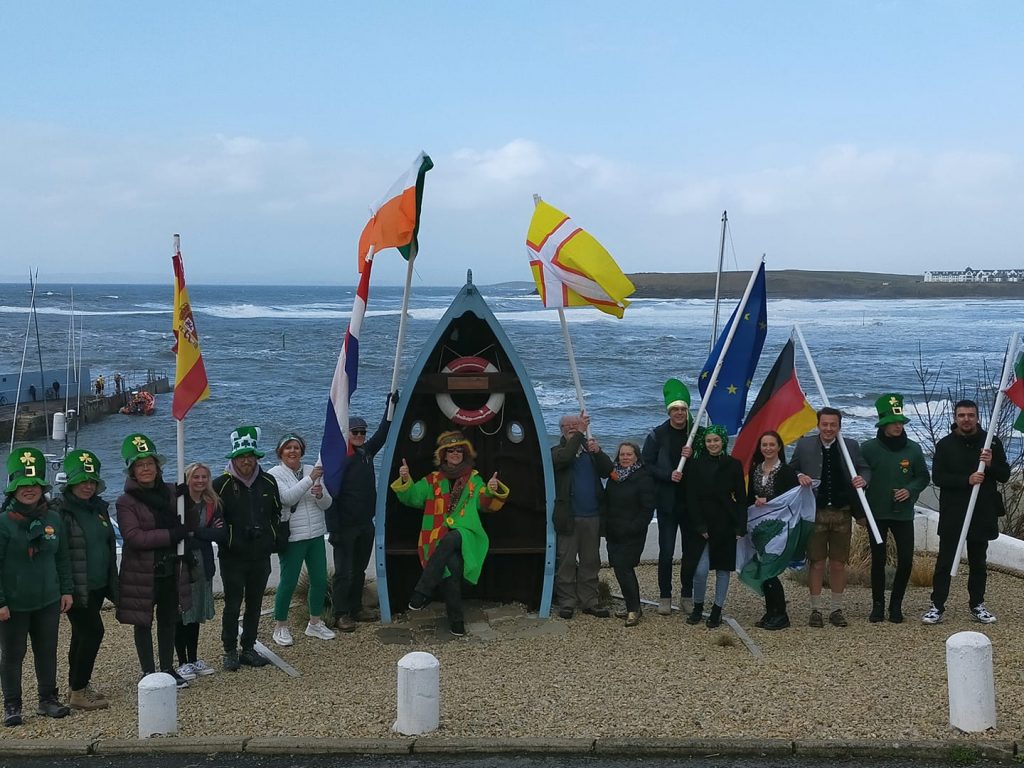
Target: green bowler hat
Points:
(80, 467)
(138, 446)
(245, 440)
(26, 466)
(675, 393)
(890, 410)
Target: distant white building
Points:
(969, 275)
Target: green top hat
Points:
(138, 446)
(245, 440)
(890, 410)
(81, 466)
(675, 393)
(26, 466)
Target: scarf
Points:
(894, 444)
(620, 474)
(28, 519)
(158, 500)
(246, 481)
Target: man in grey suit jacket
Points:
(818, 457)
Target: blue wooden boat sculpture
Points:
(469, 377)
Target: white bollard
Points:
(419, 697)
(158, 705)
(972, 692)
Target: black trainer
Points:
(696, 615)
(50, 707)
(458, 629)
(418, 601)
(250, 657)
(714, 618)
(12, 715)
(231, 663)
(179, 681)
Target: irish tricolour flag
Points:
(395, 219)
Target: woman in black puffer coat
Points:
(630, 500)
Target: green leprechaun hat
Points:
(80, 467)
(890, 410)
(245, 440)
(138, 446)
(26, 466)
(675, 393)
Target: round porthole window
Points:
(515, 432)
(417, 431)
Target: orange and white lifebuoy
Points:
(464, 416)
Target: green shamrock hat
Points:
(138, 446)
(245, 440)
(890, 410)
(676, 393)
(81, 466)
(26, 466)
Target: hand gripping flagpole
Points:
(401, 329)
(842, 442)
(718, 365)
(569, 351)
(1011, 355)
(180, 431)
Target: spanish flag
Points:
(190, 384)
(781, 406)
(395, 219)
(570, 267)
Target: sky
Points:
(878, 136)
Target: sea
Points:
(270, 353)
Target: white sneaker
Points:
(320, 630)
(203, 669)
(283, 636)
(933, 615)
(981, 614)
(187, 671)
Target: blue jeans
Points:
(700, 581)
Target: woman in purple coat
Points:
(152, 575)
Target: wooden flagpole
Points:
(718, 365)
(842, 443)
(1011, 356)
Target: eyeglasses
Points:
(358, 432)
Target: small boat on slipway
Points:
(469, 377)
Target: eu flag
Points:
(727, 403)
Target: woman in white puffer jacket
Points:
(303, 502)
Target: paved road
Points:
(450, 761)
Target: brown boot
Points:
(81, 699)
(346, 623)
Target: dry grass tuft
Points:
(726, 641)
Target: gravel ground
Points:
(595, 678)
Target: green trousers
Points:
(313, 553)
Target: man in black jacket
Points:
(955, 472)
(252, 515)
(350, 522)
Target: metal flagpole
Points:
(842, 442)
(24, 355)
(179, 423)
(401, 333)
(1011, 356)
(718, 281)
(718, 365)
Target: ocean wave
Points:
(6, 310)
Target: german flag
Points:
(781, 405)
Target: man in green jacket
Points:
(898, 476)
(35, 584)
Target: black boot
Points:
(877, 612)
(715, 617)
(777, 621)
(896, 611)
(696, 615)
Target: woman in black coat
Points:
(769, 477)
(717, 504)
(630, 499)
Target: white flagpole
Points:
(718, 364)
(180, 424)
(569, 351)
(1011, 355)
(401, 333)
(842, 443)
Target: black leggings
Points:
(186, 642)
(86, 637)
(41, 626)
(903, 535)
(165, 599)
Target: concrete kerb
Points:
(997, 750)
(693, 747)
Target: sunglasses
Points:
(358, 432)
